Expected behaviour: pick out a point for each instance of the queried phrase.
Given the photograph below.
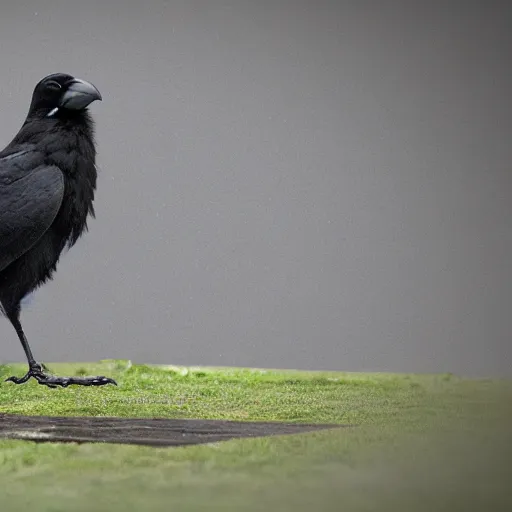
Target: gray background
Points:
(321, 185)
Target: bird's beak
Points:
(79, 94)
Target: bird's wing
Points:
(29, 203)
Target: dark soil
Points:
(151, 432)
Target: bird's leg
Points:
(37, 371)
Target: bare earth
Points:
(151, 432)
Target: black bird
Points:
(47, 185)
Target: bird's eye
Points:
(53, 86)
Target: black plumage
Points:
(47, 185)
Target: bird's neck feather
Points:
(72, 130)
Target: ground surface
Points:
(421, 443)
(150, 432)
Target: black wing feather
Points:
(29, 203)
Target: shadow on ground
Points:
(150, 432)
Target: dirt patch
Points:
(151, 432)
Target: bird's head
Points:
(60, 92)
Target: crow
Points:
(47, 184)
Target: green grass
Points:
(423, 442)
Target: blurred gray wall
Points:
(322, 184)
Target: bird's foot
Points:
(37, 372)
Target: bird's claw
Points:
(36, 371)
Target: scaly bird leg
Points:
(36, 371)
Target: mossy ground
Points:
(423, 442)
